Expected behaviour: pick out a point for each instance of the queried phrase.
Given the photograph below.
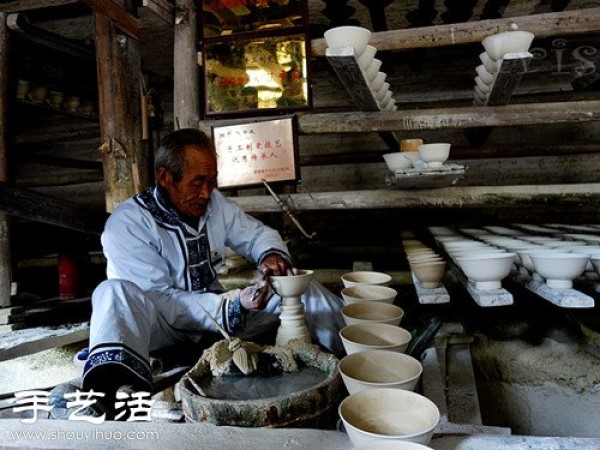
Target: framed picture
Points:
(249, 152)
(244, 76)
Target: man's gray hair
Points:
(170, 153)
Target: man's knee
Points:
(115, 291)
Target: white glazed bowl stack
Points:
(496, 47)
(349, 36)
(374, 336)
(400, 160)
(386, 414)
(487, 270)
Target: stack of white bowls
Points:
(358, 38)
(497, 46)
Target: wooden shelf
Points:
(450, 197)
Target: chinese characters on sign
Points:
(248, 153)
(137, 404)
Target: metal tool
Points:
(286, 210)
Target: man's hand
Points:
(276, 265)
(256, 297)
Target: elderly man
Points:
(163, 249)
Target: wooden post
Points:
(186, 89)
(119, 80)
(5, 259)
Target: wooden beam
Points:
(5, 253)
(58, 134)
(43, 208)
(584, 195)
(462, 117)
(567, 23)
(186, 92)
(162, 8)
(117, 14)
(508, 78)
(19, 23)
(119, 80)
(26, 5)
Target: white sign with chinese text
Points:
(248, 153)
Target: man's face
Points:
(191, 194)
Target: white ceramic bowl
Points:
(392, 445)
(490, 65)
(485, 88)
(348, 36)
(434, 154)
(372, 71)
(367, 57)
(368, 293)
(498, 45)
(365, 277)
(372, 312)
(486, 269)
(485, 76)
(559, 268)
(379, 369)
(378, 81)
(374, 336)
(429, 273)
(397, 161)
(382, 92)
(388, 414)
(524, 256)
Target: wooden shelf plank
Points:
(586, 194)
(33, 340)
(565, 298)
(427, 296)
(565, 23)
(441, 118)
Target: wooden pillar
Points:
(186, 89)
(119, 81)
(5, 259)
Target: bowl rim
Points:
(397, 355)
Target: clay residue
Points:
(517, 361)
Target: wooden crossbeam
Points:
(117, 14)
(581, 21)
(162, 8)
(509, 76)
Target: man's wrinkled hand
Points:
(276, 265)
(256, 297)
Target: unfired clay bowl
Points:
(486, 269)
(434, 154)
(368, 293)
(498, 45)
(485, 76)
(490, 65)
(429, 273)
(379, 369)
(559, 268)
(371, 71)
(374, 336)
(348, 36)
(378, 81)
(365, 277)
(388, 414)
(367, 57)
(372, 312)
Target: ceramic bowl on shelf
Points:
(490, 65)
(484, 88)
(385, 414)
(372, 71)
(372, 312)
(359, 277)
(392, 445)
(483, 96)
(374, 336)
(487, 270)
(429, 272)
(559, 268)
(368, 293)
(367, 57)
(484, 75)
(398, 161)
(498, 45)
(348, 36)
(379, 369)
(434, 154)
(378, 81)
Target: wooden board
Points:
(433, 296)
(565, 298)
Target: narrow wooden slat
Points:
(461, 117)
(43, 208)
(585, 194)
(5, 253)
(566, 23)
(26, 5)
(162, 8)
(508, 78)
(48, 136)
